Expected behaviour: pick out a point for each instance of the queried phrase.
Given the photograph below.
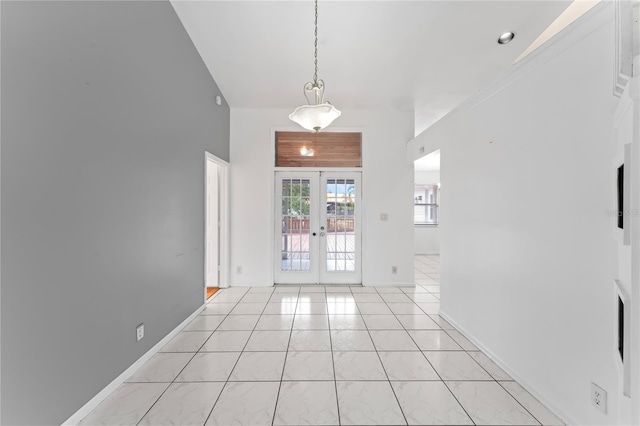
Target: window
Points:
(425, 204)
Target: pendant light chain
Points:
(315, 45)
(316, 114)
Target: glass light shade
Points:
(315, 117)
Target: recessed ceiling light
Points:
(506, 37)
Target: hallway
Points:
(322, 355)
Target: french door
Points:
(317, 228)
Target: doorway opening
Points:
(216, 225)
(318, 227)
(426, 204)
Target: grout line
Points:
(275, 408)
(425, 357)
(234, 366)
(383, 367)
(191, 359)
(333, 364)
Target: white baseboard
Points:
(427, 254)
(104, 393)
(527, 386)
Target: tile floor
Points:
(322, 356)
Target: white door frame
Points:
(219, 166)
(318, 218)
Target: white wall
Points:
(427, 238)
(528, 258)
(387, 188)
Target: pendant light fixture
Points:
(320, 114)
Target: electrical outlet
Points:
(139, 332)
(238, 269)
(599, 398)
(394, 269)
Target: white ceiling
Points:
(425, 56)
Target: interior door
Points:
(339, 231)
(317, 225)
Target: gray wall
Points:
(107, 110)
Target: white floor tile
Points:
(242, 403)
(287, 289)
(405, 309)
(248, 308)
(539, 411)
(491, 367)
(417, 322)
(280, 308)
(218, 308)
(342, 308)
(187, 341)
(162, 367)
(126, 405)
(392, 340)
(434, 340)
(239, 322)
(311, 322)
(226, 341)
(368, 298)
(205, 323)
(340, 298)
(312, 298)
(346, 322)
(284, 298)
(382, 322)
(260, 290)
(307, 403)
(268, 341)
(302, 366)
(424, 298)
(358, 366)
(355, 290)
(374, 308)
(443, 323)
(429, 308)
(459, 365)
(351, 340)
(311, 308)
(310, 340)
(312, 289)
(489, 404)
(185, 404)
(275, 322)
(209, 367)
(429, 403)
(256, 298)
(337, 289)
(407, 366)
(395, 298)
(461, 340)
(390, 290)
(368, 403)
(259, 367)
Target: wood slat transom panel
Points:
(330, 149)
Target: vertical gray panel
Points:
(107, 110)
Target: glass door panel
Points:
(296, 198)
(340, 246)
